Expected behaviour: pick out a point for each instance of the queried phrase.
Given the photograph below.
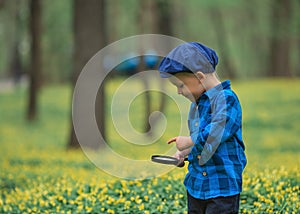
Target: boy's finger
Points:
(172, 140)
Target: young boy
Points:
(215, 147)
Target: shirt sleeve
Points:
(225, 121)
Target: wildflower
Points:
(110, 211)
(138, 200)
(42, 202)
(79, 208)
(141, 207)
(127, 205)
(257, 204)
(21, 206)
(89, 209)
(159, 207)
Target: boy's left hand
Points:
(182, 142)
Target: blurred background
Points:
(45, 44)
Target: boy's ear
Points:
(201, 76)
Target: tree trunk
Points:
(164, 21)
(89, 38)
(16, 68)
(2, 2)
(279, 64)
(161, 23)
(222, 40)
(35, 64)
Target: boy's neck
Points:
(211, 81)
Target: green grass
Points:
(271, 121)
(38, 174)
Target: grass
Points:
(39, 175)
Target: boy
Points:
(215, 148)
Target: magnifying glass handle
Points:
(182, 163)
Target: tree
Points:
(2, 4)
(160, 22)
(222, 40)
(163, 25)
(35, 60)
(89, 38)
(280, 64)
(16, 68)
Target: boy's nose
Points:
(179, 91)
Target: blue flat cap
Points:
(188, 57)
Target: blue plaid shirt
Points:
(217, 159)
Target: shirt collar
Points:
(215, 90)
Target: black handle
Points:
(182, 163)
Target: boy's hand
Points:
(182, 142)
(180, 156)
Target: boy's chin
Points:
(190, 98)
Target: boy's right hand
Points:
(180, 156)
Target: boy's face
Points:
(188, 85)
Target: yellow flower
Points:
(79, 208)
(127, 205)
(138, 200)
(89, 209)
(21, 206)
(141, 207)
(257, 204)
(168, 187)
(159, 208)
(110, 211)
(42, 202)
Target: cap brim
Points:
(165, 74)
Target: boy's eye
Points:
(181, 86)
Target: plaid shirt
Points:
(217, 159)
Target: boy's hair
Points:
(188, 57)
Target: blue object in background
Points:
(129, 64)
(150, 59)
(132, 61)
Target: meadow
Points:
(38, 174)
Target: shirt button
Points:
(196, 124)
(204, 173)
